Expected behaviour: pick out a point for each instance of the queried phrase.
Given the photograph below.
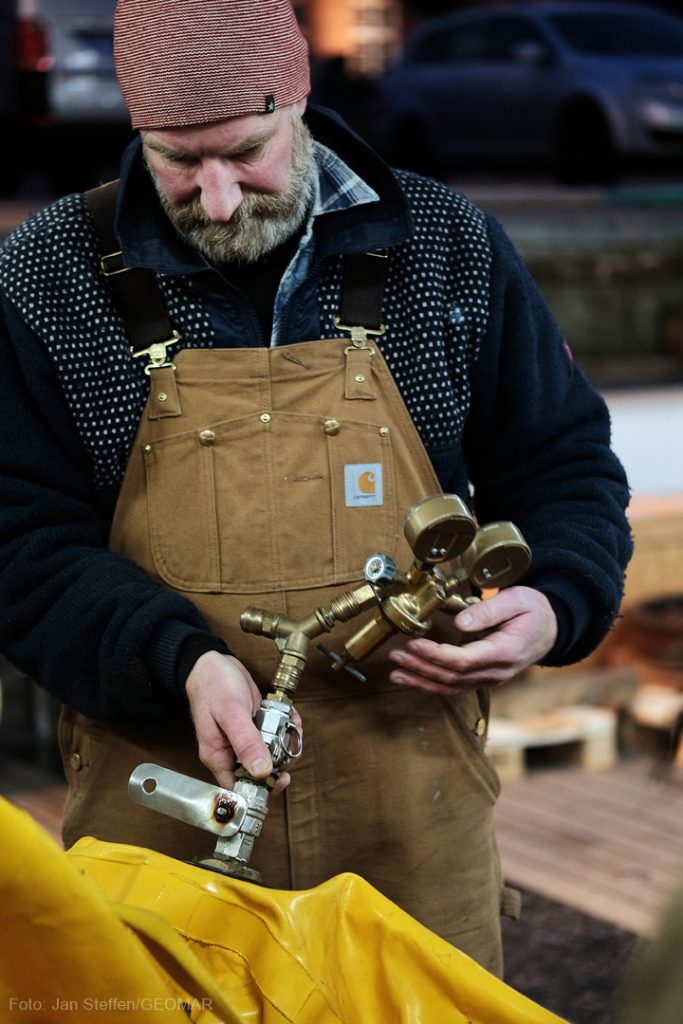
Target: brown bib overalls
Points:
(266, 477)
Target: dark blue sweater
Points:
(503, 411)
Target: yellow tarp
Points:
(108, 933)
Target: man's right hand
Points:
(223, 701)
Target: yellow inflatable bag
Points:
(112, 933)
(65, 956)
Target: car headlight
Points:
(662, 114)
(659, 100)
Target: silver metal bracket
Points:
(198, 803)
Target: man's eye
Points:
(253, 153)
(179, 160)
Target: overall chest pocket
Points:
(270, 501)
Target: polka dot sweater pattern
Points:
(435, 312)
(435, 308)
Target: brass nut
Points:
(207, 437)
(332, 427)
(76, 762)
(384, 431)
(162, 397)
(265, 417)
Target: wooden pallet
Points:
(656, 712)
(657, 707)
(580, 735)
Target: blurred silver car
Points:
(67, 46)
(70, 114)
(582, 86)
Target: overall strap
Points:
(139, 301)
(135, 290)
(365, 275)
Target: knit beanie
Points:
(186, 62)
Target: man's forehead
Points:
(224, 137)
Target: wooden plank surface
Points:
(609, 843)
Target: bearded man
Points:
(186, 413)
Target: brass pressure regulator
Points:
(440, 532)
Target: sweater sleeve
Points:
(87, 624)
(537, 442)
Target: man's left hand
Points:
(520, 628)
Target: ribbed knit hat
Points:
(184, 62)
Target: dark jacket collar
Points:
(148, 239)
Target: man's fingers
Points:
(250, 750)
(214, 751)
(434, 657)
(281, 784)
(218, 753)
(223, 700)
(224, 778)
(500, 608)
(429, 685)
(519, 628)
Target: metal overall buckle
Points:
(158, 356)
(359, 334)
(112, 264)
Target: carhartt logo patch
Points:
(363, 484)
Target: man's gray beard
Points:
(261, 222)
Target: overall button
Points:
(384, 431)
(332, 427)
(162, 397)
(265, 417)
(207, 437)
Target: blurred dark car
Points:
(584, 87)
(6, 87)
(69, 115)
(6, 47)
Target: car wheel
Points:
(584, 152)
(412, 147)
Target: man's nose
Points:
(220, 191)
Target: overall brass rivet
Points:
(384, 431)
(147, 449)
(207, 437)
(332, 427)
(162, 397)
(265, 417)
(360, 377)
